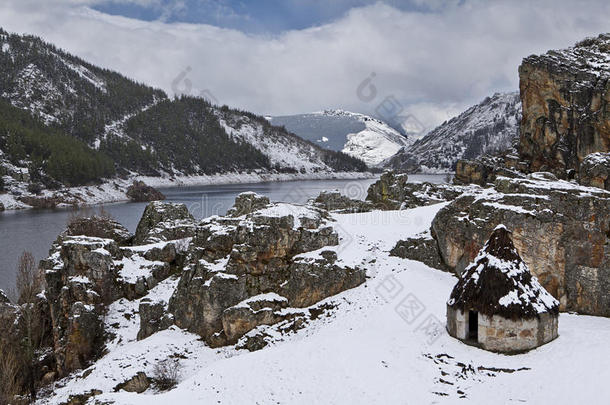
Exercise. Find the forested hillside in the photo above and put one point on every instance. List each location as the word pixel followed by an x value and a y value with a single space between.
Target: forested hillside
pixel 65 122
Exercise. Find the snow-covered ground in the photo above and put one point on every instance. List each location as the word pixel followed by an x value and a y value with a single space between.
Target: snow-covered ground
pixel 383 343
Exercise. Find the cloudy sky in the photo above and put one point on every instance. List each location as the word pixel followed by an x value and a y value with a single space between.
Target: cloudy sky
pixel 289 56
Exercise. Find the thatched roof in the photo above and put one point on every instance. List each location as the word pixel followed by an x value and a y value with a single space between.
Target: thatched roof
pixel 499 282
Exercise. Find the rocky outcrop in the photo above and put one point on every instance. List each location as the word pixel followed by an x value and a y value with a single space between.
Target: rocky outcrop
pixel 246 203
pixel 393 192
pixel 80 280
pixel 142 192
pixel 254 253
pixel 486 168
pixel 560 229
pixel 595 171
pixel 100 227
pixel 422 249
pixel 337 202
pixel 566 106
pixel 164 221
pixel 84 274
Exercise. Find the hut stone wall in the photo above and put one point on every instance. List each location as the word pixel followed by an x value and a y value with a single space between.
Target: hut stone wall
pixel 500 334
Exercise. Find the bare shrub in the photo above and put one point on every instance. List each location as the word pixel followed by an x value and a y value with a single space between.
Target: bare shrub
pixel 166 373
pixel 29 278
pixel 10 368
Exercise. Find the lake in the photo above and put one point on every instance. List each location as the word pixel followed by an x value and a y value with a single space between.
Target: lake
pixel 35 230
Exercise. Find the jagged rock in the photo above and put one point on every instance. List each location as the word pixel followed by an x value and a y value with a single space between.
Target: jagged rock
pixel 201 297
pixel 250 313
pixel 246 203
pixel 83 338
pixel 233 259
pixel 335 201
pixel 312 280
pixel 423 249
pixel 560 229
pixel 595 171
pixel 100 227
pixel 486 168
pixel 164 221
pixel 81 279
pixel 392 192
pixel 138 383
pixel 141 192
pixel 565 106
pixel 153 317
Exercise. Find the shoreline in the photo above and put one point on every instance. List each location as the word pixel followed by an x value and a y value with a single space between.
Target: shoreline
pixel 114 191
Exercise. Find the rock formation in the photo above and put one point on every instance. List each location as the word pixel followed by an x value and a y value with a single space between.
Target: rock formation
pixel 561 230
pixel 566 106
pixel 393 192
pixel 595 171
pixel 142 192
pixel 243 269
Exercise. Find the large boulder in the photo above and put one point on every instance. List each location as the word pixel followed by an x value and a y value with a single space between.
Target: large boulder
pixel 100 227
pixel 566 106
pixel 560 229
pixel 595 171
pixel 246 203
pixel 337 202
pixel 393 192
pixel 141 192
pixel 164 221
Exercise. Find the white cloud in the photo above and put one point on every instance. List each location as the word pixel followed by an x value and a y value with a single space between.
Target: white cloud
pixel 434 63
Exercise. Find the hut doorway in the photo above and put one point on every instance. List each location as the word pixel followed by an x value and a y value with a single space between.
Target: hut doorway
pixel 473 326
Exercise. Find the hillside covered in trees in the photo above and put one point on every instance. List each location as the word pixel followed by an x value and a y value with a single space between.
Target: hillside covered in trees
pixel 65 122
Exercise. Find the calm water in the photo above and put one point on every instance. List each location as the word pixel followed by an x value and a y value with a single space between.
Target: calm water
pixel 35 230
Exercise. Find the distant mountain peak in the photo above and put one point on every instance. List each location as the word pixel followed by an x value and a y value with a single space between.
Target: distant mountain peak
pixel 355 134
pixel 487 127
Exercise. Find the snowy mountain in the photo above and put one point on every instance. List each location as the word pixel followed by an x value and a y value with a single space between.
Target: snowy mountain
pixel 487 127
pixel 105 125
pixel 355 134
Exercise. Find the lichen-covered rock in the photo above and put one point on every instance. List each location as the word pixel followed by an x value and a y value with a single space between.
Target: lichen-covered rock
pixel 312 279
pixel 259 310
pixel 246 203
pixel 100 227
pixel 422 249
pixel 83 276
pixel 566 109
pixel 595 171
pixel 484 169
pixel 560 229
pixel 164 221
pixel 141 192
pixel 153 317
pixel 138 383
pixel 233 259
pixel 393 192
pixel 335 201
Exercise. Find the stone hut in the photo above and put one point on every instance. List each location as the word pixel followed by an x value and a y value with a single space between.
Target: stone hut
pixel 498 305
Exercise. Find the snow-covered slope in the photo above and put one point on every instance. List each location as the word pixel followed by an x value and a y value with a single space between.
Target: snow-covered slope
pixel 357 135
pixel 383 343
pixel 490 126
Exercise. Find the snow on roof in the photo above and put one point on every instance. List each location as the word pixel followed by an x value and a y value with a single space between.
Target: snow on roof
pixel 498 282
